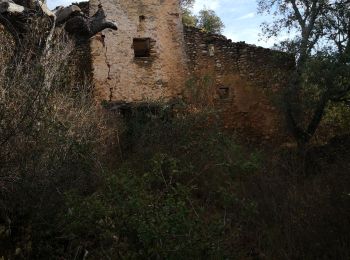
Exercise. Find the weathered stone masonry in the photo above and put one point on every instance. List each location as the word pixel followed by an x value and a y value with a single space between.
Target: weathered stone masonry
pixel 244 80
pixel 119 75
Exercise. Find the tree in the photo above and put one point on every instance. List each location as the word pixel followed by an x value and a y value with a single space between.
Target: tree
pixel 209 21
pixel 321 45
pixel 206 20
pixel 189 19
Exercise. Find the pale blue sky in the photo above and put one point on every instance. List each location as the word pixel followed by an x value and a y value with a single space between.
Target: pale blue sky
pixel 242 23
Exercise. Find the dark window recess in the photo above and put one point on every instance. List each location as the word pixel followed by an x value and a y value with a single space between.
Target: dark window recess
pixel 142 47
pixel 224 92
pixel 142 18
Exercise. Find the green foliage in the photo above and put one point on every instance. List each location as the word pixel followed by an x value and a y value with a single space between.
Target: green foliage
pixel 146 216
pixel 336 120
pixel 189 19
pixel 188 191
pixel 174 197
pixel 207 20
pixel 210 22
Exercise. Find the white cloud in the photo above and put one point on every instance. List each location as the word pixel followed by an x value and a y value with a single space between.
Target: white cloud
pixel 247 16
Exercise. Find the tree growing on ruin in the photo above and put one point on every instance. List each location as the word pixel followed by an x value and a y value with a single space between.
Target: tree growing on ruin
pixel 319 37
pixel 209 21
pixel 206 20
pixel 188 18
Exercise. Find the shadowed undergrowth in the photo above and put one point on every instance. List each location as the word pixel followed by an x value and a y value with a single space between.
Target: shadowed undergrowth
pixel 80 183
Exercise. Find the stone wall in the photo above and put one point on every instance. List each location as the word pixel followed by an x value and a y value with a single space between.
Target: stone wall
pixel 241 81
pixel 117 74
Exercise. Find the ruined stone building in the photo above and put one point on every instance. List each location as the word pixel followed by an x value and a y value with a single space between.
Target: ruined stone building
pixel 153 57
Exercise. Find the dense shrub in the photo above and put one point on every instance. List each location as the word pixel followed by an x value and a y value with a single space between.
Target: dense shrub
pixel 173 198
pixel 184 191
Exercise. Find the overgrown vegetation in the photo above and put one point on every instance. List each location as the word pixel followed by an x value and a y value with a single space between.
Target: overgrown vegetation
pixel 48 134
pixel 180 188
pixel 78 182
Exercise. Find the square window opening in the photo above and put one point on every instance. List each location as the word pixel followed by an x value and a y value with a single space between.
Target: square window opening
pixel 142 47
pixel 224 92
pixel 142 18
